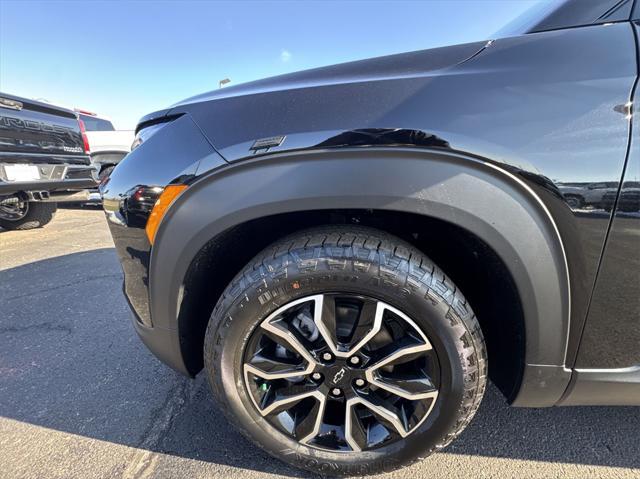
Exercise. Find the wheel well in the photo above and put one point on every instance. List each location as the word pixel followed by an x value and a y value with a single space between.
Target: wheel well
pixel 473 266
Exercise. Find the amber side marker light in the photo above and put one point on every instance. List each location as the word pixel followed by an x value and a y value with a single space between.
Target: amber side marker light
pixel 167 197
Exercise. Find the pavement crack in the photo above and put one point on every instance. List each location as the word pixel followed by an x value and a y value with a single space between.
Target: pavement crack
pixel 144 461
pixel 66 285
pixel 48 327
pixel 164 415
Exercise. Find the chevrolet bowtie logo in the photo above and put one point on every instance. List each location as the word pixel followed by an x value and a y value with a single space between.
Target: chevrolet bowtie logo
pixel 339 375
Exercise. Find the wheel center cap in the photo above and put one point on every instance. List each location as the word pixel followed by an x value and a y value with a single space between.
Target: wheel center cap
pixel 340 374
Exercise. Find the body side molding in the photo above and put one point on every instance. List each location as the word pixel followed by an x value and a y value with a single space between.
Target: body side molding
pixel 620 387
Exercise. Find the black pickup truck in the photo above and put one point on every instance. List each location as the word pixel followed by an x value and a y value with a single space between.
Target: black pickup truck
pixel 43 160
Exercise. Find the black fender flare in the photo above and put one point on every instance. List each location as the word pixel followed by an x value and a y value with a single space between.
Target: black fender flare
pixel 485 199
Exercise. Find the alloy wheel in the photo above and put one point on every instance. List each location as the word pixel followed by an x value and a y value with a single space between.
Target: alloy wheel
pixel 341 372
pixel 14 209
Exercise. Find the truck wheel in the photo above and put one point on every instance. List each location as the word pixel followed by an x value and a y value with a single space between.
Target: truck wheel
pixel 345 351
pixel 26 215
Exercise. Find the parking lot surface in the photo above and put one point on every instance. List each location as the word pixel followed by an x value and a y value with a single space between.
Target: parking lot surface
pixel 80 396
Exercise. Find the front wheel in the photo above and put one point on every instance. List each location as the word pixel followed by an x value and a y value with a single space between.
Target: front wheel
pixel 26 215
pixel 344 350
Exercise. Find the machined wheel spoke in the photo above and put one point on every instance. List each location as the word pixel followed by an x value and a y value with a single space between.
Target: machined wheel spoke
pixel 400 353
pixel 417 386
pixel 354 432
pixel 279 328
pixel 413 386
pixel 385 410
pixel 326 321
pixel 382 353
pixel 268 367
pixel 367 325
pixel 309 426
pixel 275 402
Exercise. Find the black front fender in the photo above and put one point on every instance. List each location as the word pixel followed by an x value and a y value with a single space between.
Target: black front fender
pixel 486 200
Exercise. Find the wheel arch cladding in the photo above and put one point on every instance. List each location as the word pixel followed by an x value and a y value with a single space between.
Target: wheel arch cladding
pixel 473 194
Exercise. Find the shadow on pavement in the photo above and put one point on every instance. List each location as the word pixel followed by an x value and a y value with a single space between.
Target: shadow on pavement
pixel 70 361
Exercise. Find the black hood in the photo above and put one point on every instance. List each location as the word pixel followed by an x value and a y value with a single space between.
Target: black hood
pixel 403 65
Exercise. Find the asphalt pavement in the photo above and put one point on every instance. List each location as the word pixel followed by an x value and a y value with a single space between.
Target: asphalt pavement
pixel 81 397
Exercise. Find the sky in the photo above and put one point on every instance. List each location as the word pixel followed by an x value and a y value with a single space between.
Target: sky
pixel 124 59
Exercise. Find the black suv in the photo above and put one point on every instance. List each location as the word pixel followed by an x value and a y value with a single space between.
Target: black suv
pixel 350 252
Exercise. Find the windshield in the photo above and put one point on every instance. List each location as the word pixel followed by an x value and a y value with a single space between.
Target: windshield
pixel 92 123
pixel 529 19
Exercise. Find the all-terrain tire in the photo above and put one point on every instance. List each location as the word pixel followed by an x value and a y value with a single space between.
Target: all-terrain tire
pixel 363 261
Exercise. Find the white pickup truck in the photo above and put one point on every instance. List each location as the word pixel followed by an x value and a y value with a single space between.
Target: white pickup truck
pixel 107 145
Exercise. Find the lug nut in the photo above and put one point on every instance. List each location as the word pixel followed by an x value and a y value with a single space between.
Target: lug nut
pixel 336 391
pixel 355 360
pixel 360 382
pixel 316 376
pixel 327 357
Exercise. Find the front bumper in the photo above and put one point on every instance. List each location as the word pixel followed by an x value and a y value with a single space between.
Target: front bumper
pixel 163 343
pixel 171 155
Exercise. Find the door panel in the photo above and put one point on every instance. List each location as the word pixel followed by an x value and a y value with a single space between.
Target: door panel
pixel 611 337
pixel 612 333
